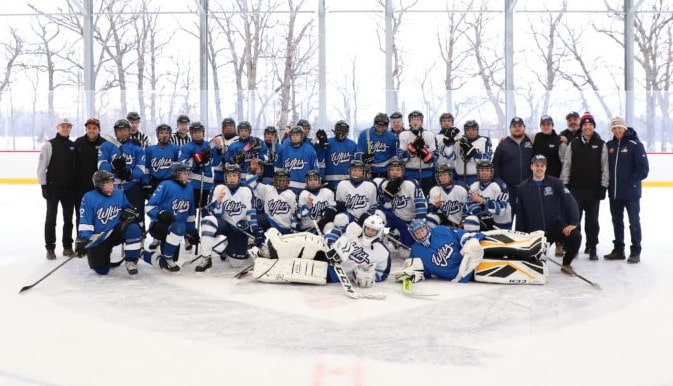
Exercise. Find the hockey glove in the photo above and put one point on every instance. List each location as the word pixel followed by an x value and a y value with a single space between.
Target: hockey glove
pixel 203 157
pixel 166 217
pixel 333 257
pixel 419 142
pixel 466 148
pixel 80 246
pixel 119 164
pixel 450 136
pixel 413 269
pixel 243 225
pixel 364 275
pixel 321 135
pixel 147 191
pixel 392 188
pixel 193 238
pixel 45 192
pixel 367 158
pixel 486 222
pixel 124 174
pixel 128 215
pixel 256 146
pixel 238 158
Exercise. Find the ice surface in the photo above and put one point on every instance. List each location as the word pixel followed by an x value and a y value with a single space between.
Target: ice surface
pixel 76 328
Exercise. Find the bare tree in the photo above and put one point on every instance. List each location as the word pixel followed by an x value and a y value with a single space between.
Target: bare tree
pixel 448 38
pixel 349 93
pixel 11 50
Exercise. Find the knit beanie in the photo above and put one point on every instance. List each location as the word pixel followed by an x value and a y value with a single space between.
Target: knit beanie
pixel 587 117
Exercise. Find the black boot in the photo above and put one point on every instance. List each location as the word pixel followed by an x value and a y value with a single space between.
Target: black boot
pixel 592 253
pixel 616 254
pixel 634 258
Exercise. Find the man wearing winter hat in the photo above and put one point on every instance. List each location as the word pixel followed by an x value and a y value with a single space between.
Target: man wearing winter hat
pixel 573 127
pixel 585 173
pixel 628 167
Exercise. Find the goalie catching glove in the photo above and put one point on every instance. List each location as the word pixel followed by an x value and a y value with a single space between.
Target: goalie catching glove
pixel 413 269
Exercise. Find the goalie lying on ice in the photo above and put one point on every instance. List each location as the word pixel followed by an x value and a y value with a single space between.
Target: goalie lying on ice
pixel 498 256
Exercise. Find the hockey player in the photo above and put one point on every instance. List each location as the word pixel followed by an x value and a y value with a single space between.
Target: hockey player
pixel 135 134
pixel 446 253
pixel 446 139
pixel 470 148
pixel 364 257
pixel 356 197
pixel 396 123
pixel 106 220
pixel 279 203
pixel 198 155
pixel 315 203
pixel 181 136
pixel 335 155
pixel 489 200
pixel 126 159
pixel 401 200
pixel 418 148
pixel 158 160
pixel 232 214
pixel 297 157
pixel 446 202
pixel 271 142
pixel 172 212
pixel 377 145
pixel 246 150
pixel 221 143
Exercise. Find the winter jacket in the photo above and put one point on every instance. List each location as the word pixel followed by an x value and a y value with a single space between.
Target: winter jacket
pixel 56 167
pixel 628 166
pixel 550 146
pixel 544 205
pixel 511 160
pixel 585 166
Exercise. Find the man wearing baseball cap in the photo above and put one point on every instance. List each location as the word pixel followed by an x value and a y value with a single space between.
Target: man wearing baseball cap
pixel 86 160
pixel 545 204
pixel 573 130
pixel 56 175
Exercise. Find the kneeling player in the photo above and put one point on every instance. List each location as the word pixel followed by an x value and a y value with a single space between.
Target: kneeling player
pixel 106 220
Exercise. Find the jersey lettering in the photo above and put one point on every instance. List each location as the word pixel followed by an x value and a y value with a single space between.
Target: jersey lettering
pixel 106 214
pixel 160 163
pixel 356 201
pixel 340 157
pixel 278 207
pixel 442 256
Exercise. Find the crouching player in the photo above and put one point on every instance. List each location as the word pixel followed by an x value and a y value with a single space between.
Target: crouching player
pixel 172 211
pixel 106 219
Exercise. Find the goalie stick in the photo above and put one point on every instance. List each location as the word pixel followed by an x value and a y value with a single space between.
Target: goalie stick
pixel 592 283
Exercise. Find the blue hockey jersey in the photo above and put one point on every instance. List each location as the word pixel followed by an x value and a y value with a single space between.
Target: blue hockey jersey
pixel 197 172
pixel 175 199
pixel 442 258
pixel 134 156
pixel 158 160
pixel 384 146
pixel 335 160
pixel 297 161
pixel 98 215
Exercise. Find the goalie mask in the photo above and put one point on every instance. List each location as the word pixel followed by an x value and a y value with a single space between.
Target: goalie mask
pixel 356 171
pixel 313 181
pixel 420 231
pixel 444 175
pixel 100 179
pixel 485 172
pixel 296 136
pixel 395 168
pixel 341 130
pixel 232 175
pixel 180 173
pixel 372 230
pixel 281 180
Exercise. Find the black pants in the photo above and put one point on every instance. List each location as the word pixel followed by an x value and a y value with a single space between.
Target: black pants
pixel 571 243
pixel 589 204
pixel 66 198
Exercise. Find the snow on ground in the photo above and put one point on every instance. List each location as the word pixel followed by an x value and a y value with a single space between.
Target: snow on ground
pixel 76 328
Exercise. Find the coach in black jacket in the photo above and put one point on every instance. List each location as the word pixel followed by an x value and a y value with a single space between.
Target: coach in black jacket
pixel 86 160
pixel 545 204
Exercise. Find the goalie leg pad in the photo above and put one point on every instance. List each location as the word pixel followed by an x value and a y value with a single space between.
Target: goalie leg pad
pixel 505 271
pixel 290 271
pixel 303 245
pixel 514 245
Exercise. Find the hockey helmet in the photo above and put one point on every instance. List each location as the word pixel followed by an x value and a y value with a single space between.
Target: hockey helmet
pixel 122 124
pixel 133 116
pixel 415 114
pixel 100 178
pixel 232 175
pixel 228 122
pixel 444 170
pixel 296 130
pixel 271 130
pixel 372 230
pixel 381 119
pixel 446 116
pixel 281 179
pixel 395 163
pixel 163 127
pixel 341 130
pixel 303 123
pixel 313 181
pixel 356 165
pixel 243 125
pixel 485 171
pixel 183 119
pixel 471 124
pixel 420 231
pixel 396 115
pixel 196 126
pixel 176 169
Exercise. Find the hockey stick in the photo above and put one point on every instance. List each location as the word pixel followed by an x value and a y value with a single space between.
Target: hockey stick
pixel 593 284
pixel 25 288
pixel 198 217
pixel 397 242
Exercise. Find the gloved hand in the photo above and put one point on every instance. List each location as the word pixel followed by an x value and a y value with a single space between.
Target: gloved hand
pixel 393 187
pixel 466 148
pixel 166 217
pixel 413 269
pixel 321 136
pixel 202 157
pixel 80 246
pixel 486 222
pixel 193 238
pixel 419 142
pixel 45 192
pixel 364 275
pixel 238 158
pixel 333 257
pixel 243 225
pixel 367 158
pixel 256 146
pixel 124 174
pixel 129 214
pixel 602 192
pixel 450 136
pixel 119 163
pixel 147 191
pixel 259 238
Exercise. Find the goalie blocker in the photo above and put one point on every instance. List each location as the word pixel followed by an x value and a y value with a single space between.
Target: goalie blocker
pixel 512 258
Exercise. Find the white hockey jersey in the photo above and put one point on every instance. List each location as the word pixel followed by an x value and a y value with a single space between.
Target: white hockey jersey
pixel 321 200
pixel 377 254
pixel 408 203
pixel 236 206
pixel 497 201
pixel 448 202
pixel 357 199
pixel 280 208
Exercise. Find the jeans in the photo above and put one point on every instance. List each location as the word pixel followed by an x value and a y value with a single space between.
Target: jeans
pixel 633 210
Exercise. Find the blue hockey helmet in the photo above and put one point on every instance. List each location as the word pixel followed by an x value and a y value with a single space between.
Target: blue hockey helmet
pixel 420 231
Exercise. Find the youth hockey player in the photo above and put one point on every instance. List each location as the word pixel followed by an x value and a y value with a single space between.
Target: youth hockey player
pixel 401 200
pixel 232 214
pixel 221 143
pixel 297 157
pixel 271 142
pixel 335 156
pixel 489 200
pixel 246 150
pixel 446 202
pixel 279 203
pixel 364 257
pixel 418 148
pixel 106 220
pixel 377 145
pixel 198 155
pixel 356 197
pixel 172 212
pixel 158 160
pixel 446 139
pixel 315 203
pixel 470 148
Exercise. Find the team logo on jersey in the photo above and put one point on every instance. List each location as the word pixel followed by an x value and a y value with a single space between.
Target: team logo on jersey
pixel 105 215
pixel 232 208
pixel 340 157
pixel 379 147
pixel 180 206
pixel 160 163
pixel 358 254
pixel 451 207
pixel 399 202
pixel 278 207
pixel 548 191
pixel 295 164
pixel 317 209
pixel 356 201
pixel 442 256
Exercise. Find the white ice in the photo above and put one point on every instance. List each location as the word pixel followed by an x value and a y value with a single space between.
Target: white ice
pixel 76 328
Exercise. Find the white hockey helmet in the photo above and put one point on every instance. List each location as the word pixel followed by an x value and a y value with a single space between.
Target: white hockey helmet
pixel 372 229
